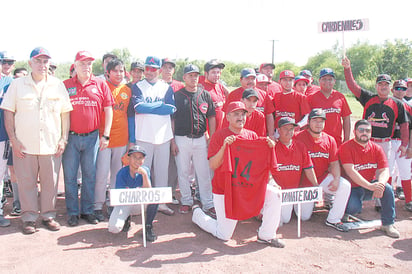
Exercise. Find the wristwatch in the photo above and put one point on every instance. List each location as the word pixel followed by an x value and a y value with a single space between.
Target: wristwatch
pixel 106 137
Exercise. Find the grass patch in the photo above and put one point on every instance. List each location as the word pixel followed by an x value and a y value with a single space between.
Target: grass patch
pixel 355 106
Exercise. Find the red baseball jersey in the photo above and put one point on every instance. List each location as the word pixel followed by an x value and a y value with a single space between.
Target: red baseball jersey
pixel 292 161
pixel 366 160
pixel 312 89
pixel 217 92
pixel 255 122
pixel 176 85
pixel 247 164
pixel 292 104
pixel 264 103
pixel 273 88
pixel 88 102
pixel 216 142
pixel 322 152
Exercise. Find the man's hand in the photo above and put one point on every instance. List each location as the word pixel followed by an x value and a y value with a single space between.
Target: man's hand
pixel 229 140
pixel 18 148
pixel 270 142
pixel 402 151
pixel 141 171
pixel 377 188
pixel 333 185
pixel 103 143
pixel 346 62
pixel 173 148
pixel 60 147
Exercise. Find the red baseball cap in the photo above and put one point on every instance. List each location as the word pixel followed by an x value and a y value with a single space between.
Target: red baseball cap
pixel 84 56
pixel 261 78
pixel 266 65
pixel 236 105
pixel 287 74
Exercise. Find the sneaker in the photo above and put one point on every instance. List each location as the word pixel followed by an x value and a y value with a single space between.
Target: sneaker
pixel 7 191
pixel 150 235
pixel 163 208
pixel 273 242
pixel 90 218
pixel 127 223
pixel 184 209
pixel 408 206
pixel 391 231
pixel 73 220
pixel 4 222
pixel 346 218
pixel 99 215
pixel 29 227
pixel 211 212
pixel 338 226
pixel 16 211
pixel 399 193
pixel 378 205
pixel 51 224
pixel 175 201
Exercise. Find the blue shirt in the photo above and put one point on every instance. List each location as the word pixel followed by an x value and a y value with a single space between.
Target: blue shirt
pixel 4 85
pixel 124 180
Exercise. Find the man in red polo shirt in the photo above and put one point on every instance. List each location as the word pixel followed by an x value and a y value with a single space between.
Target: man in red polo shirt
pixel 90 96
pixel 264 105
pixel 335 106
pixel 267 69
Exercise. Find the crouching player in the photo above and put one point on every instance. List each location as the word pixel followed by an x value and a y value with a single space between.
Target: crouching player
pixel 132 176
pixel 239 185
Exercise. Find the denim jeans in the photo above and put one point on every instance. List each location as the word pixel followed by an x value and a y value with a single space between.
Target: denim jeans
pixel 80 150
pixel 360 194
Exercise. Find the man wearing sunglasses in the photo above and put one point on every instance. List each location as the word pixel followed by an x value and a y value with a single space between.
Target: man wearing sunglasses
pixel 7 63
pixel 382 111
pixel 153 101
pixel 366 168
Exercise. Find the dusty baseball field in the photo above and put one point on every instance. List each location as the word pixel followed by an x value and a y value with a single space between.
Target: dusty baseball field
pixel 183 247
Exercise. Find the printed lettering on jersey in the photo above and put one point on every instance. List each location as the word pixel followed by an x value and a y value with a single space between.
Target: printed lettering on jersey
pixel 285 114
pixel 318 155
pixel 379 122
pixel 288 167
pixel 72 91
pixel 152 100
pixel 203 107
pixel 120 106
pixel 332 110
pixel 359 167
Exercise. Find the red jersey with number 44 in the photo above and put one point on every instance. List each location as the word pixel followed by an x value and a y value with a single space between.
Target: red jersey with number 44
pixel 247 164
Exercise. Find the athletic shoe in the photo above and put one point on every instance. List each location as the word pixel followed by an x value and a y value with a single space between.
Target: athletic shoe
pixel 391 231
pixel 73 220
pixel 211 212
pixel 4 222
pixel 408 206
pixel 273 242
pixel 175 201
pixel 126 226
pixel 29 227
pixel 150 235
pixel 184 209
pixel 338 226
pixel 51 224
pixel 99 215
pixel 16 211
pixel 163 208
pixel 399 193
pixel 90 218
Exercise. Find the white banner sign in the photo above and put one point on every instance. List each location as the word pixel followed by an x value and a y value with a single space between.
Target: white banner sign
pixel 301 195
pixel 139 196
pixel 344 25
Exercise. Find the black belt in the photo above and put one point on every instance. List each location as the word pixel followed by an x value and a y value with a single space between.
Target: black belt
pixel 194 136
pixel 82 134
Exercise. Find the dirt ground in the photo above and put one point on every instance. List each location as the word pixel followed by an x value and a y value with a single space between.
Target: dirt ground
pixel 183 247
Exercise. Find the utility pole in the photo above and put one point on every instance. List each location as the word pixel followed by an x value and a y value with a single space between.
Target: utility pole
pixel 273 50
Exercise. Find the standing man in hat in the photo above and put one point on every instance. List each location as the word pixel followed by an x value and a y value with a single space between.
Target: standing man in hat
pixel 7 63
pixel 37 117
pixel 335 106
pixel 153 101
pixel 194 109
pixel 90 96
pixel 167 70
pixel 311 87
pixel 267 70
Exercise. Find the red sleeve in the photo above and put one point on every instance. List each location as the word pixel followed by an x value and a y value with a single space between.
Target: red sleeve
pixel 344 154
pixel 333 154
pixel 304 106
pixel 107 95
pixel 352 85
pixel 214 145
pixel 268 104
pixel 307 160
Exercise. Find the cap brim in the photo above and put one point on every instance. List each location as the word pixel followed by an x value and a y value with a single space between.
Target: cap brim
pixel 40 55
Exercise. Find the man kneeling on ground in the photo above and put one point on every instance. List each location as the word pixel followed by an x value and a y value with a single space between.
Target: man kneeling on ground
pixel 132 176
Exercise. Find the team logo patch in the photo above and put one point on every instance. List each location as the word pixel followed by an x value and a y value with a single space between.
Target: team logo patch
pixel 123 95
pixel 72 91
pixel 203 108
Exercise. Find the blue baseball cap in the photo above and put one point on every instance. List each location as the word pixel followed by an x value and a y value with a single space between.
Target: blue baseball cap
pixel 153 61
pixel 246 72
pixel 191 68
pixel 1 54
pixel 39 51
pixel 326 71
pixel 135 149
pixel 306 73
pixel 383 78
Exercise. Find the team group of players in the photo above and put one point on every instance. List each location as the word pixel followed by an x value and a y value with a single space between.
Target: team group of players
pixel 242 147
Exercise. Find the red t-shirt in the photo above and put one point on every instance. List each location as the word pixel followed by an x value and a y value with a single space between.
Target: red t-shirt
pixel 247 164
pixel 255 122
pixel 322 151
pixel 273 88
pixel 293 104
pixel 264 103
pixel 88 102
pixel 292 161
pixel 366 160
pixel 216 142
pixel 336 107
pixel 311 89
pixel 217 91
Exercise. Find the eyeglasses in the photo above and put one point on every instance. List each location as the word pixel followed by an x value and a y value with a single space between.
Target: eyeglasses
pixel 400 89
pixel 151 69
pixel 362 130
pixel 7 62
pixel 40 61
